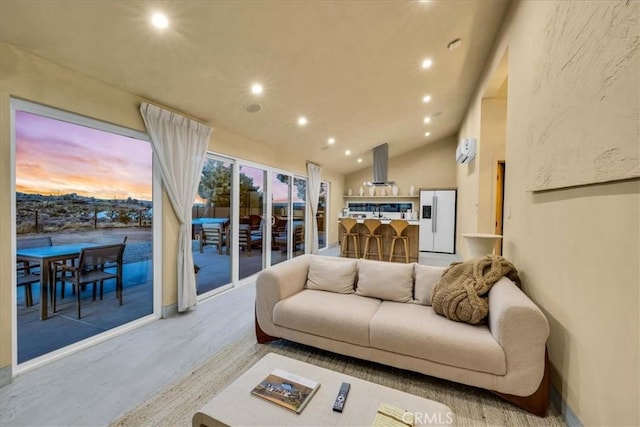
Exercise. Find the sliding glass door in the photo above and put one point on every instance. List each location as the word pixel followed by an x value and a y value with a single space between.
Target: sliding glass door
pixel 298 238
pixel 321 215
pixel 253 213
pixel 79 183
pixel 211 225
pixel 252 227
pixel 280 201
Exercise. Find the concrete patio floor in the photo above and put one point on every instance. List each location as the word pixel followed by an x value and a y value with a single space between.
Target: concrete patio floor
pixel 36 337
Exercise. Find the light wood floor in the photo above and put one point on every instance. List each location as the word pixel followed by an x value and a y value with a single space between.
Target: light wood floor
pixel 97 385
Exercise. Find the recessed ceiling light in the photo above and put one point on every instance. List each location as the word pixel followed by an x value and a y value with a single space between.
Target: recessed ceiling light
pixel 427 134
pixel 253 108
pixel 426 98
pixel 159 20
pixel 347 153
pixel 331 141
pixel 302 121
pixel 427 119
pixel 427 63
pixel 360 160
pixel 256 88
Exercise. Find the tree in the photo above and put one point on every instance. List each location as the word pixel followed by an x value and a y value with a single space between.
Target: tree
pixel 301 185
pixel 215 184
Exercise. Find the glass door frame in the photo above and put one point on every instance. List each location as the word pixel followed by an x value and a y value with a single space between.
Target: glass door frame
pixel 326 222
pixel 268 209
pixel 233 253
pixel 16 104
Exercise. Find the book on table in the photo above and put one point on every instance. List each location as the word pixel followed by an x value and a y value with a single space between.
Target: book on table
pixel 392 416
pixel 288 390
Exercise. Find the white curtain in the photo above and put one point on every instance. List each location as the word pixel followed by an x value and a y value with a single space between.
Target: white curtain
pixel 313 186
pixel 179 146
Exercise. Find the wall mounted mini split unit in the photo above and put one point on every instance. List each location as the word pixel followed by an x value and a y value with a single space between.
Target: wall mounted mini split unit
pixel 466 150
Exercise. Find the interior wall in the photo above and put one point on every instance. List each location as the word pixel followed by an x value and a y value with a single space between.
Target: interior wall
pixel 432 165
pixel 468 182
pixel 576 249
pixel 29 77
pixel 490 148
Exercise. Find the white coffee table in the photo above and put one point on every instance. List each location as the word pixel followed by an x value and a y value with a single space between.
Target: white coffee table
pixel 236 406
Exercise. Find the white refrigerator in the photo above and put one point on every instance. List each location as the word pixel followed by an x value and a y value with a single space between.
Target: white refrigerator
pixel 438 221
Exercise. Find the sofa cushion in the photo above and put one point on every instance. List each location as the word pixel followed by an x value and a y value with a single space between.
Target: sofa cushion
pixel 416 330
pixel 426 277
pixel 342 317
pixel 332 274
pixel 385 280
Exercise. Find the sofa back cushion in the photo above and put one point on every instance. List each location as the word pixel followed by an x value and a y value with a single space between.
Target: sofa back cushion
pixel 332 274
pixel 385 280
pixel 426 277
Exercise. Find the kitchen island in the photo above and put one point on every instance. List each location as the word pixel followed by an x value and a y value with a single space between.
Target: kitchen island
pixel 385 230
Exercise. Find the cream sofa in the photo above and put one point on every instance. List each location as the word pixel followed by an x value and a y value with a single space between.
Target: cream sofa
pixel 381 311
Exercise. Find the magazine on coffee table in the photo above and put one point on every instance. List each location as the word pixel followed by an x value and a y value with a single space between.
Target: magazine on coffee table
pixel 288 390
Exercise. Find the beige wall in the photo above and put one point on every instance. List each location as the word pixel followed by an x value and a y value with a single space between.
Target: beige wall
pixel 430 166
pixel 577 249
pixel 490 149
pixel 29 77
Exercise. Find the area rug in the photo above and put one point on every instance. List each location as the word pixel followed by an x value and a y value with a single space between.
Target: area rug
pixel 176 404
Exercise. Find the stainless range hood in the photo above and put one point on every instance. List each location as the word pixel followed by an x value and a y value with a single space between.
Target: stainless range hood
pixel 380 164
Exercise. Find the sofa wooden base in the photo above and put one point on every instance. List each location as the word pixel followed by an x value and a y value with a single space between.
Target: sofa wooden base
pixel 538 402
pixel 262 336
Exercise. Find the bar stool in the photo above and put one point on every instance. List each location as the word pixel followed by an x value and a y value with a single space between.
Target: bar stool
pixel 372 225
pixel 398 226
pixel 349 224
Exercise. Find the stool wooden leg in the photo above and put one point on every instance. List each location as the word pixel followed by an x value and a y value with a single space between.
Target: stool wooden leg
pixel 406 250
pixel 343 250
pixel 356 243
pixel 366 247
pixel 393 247
pixel 379 241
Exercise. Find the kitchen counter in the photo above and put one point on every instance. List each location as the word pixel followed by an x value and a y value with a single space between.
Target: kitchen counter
pixel 412 231
pixel 387 221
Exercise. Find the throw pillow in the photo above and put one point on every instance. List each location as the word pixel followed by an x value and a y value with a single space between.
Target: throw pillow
pixel 385 280
pixel 426 277
pixel 331 274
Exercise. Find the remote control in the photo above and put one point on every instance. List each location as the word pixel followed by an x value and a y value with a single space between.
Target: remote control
pixel 338 405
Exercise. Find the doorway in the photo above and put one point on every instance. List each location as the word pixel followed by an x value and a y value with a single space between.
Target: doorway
pixel 500 175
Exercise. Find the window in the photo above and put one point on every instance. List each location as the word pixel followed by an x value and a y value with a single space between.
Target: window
pixel 79 183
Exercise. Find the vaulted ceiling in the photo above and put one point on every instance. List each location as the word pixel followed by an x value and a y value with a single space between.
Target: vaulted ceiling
pixel 352 68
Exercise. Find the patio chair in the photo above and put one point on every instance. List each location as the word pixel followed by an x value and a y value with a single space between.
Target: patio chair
pixel 27 272
pixel 213 234
pixel 249 238
pixel 298 238
pixel 92 268
pixel 255 222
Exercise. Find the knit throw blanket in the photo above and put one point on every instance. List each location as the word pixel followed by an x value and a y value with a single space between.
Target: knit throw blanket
pixel 461 292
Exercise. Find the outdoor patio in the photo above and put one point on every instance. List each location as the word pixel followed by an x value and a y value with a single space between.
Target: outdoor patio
pixel 37 337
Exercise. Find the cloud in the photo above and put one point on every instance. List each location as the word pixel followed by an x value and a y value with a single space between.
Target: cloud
pixel 54 156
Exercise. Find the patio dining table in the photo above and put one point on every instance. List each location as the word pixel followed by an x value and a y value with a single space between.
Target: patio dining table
pixel 46 255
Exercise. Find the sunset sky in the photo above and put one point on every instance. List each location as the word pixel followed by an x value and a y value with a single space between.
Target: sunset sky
pixel 55 157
